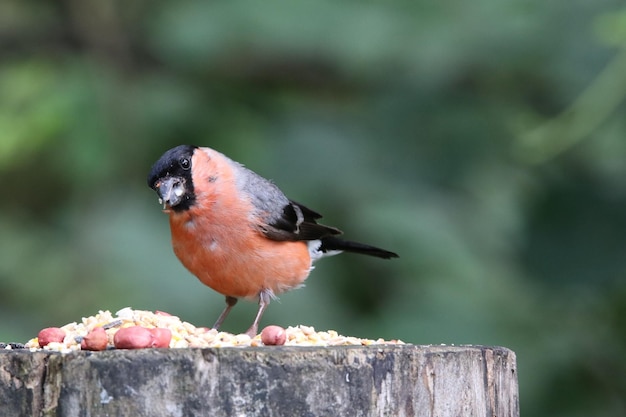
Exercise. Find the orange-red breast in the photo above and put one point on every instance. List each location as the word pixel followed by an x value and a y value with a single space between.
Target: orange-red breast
pixel 237 232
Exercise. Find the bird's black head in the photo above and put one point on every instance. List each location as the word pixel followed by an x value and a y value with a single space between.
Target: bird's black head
pixel 170 177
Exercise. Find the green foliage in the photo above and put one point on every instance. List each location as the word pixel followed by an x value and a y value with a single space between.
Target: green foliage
pixel 484 141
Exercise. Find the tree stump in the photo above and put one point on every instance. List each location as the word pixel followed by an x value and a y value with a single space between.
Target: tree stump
pixel 399 380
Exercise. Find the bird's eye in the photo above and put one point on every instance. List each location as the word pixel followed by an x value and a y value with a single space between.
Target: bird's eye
pixel 185 163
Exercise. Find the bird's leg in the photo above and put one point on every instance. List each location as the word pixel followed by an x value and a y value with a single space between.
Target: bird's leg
pixel 264 300
pixel 230 302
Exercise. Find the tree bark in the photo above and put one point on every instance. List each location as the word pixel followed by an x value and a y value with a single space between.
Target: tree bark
pixel 401 380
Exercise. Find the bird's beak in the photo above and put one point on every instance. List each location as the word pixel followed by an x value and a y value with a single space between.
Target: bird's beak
pixel 171 191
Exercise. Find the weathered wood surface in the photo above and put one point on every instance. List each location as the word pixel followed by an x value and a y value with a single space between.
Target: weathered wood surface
pixel 271 381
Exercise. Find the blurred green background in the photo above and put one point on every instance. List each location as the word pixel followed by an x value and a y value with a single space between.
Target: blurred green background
pixel 484 141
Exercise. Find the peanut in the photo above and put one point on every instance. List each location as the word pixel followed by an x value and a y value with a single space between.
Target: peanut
pixel 50 334
pixel 161 337
pixel 273 336
pixel 95 340
pixel 133 337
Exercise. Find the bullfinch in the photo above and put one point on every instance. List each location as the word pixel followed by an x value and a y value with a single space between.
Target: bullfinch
pixel 237 232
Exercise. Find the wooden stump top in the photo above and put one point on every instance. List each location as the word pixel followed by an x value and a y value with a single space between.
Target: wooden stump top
pixel 379 380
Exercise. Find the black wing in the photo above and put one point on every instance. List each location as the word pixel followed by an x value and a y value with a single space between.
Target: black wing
pixel 300 223
pixel 297 222
pixel 280 218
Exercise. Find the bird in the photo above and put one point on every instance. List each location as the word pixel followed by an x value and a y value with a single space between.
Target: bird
pixel 237 232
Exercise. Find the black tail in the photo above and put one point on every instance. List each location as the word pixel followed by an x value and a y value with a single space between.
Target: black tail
pixel 332 243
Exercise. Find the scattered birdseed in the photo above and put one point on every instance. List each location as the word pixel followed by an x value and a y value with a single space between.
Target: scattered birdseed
pixel 11 346
pixel 186 335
